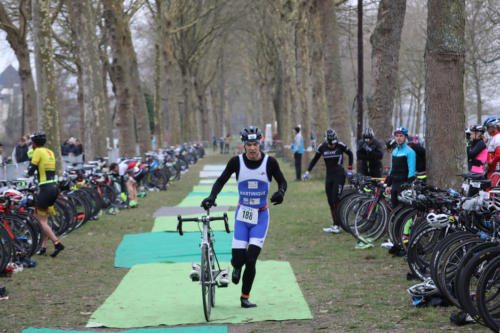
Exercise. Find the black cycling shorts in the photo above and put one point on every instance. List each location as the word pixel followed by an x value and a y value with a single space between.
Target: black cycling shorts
pixel 139 175
pixel 46 196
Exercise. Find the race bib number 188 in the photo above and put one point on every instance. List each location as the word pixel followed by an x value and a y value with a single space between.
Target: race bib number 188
pixel 248 215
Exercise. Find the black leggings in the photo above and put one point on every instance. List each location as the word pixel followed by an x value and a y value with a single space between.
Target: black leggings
pixel 395 190
pixel 334 185
pixel 247 257
pixel 298 165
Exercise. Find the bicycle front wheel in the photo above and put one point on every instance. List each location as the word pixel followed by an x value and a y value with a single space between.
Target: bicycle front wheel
pixel 206 281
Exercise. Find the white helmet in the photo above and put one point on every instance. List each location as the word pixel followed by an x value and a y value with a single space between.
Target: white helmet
pixel 13 194
pixel 438 221
pixel 424 289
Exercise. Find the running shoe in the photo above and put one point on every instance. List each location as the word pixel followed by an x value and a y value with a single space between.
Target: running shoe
pixel 224 278
pixel 195 272
pixel 333 229
pixel 362 246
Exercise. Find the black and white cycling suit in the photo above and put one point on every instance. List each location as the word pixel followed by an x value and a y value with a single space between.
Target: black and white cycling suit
pixel 335 174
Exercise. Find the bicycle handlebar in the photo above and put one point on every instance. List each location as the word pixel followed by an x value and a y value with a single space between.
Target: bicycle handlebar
pixel 203 219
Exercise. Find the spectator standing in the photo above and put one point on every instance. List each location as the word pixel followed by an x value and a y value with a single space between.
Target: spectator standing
pixel 369 154
pixel 214 142
pixel 298 151
pixel 227 141
pixel 221 144
pixel 21 151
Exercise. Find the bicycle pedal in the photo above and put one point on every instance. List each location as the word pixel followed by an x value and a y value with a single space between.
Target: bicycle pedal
pixel 223 285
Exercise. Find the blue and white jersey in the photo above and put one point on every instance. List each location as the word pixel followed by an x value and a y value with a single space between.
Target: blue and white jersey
pixel 253 184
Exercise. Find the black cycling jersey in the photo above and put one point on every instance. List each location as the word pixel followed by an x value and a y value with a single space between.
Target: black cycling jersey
pixel 370 158
pixel 333 157
pixel 233 166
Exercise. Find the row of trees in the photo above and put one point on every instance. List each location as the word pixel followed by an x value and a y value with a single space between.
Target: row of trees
pixel 209 66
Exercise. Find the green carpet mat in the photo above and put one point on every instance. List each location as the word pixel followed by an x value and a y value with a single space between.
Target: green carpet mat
pixel 163 294
pixel 195 201
pixel 204 194
pixel 211 181
pixel 174 211
pixel 205 188
pixel 193 329
pixel 216 167
pixel 168 247
pixel 169 223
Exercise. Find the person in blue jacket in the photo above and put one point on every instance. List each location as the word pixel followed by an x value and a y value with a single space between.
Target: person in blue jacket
pixel 298 151
pixel 403 165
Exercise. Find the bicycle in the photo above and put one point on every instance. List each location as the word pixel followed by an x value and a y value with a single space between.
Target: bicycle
pixel 208 273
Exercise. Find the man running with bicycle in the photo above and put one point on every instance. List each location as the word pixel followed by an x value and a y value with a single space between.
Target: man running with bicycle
pixel 254 171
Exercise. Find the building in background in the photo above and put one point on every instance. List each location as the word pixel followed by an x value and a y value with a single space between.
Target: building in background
pixel 11 104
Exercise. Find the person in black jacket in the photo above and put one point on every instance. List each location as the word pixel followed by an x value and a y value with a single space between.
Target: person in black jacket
pixel 476 149
pixel 369 154
pixel 21 150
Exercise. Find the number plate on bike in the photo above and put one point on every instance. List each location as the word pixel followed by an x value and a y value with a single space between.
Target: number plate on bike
pixel 248 215
pixel 475 184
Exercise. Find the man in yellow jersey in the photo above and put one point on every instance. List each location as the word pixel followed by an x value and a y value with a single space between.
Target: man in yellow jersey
pixel 43 161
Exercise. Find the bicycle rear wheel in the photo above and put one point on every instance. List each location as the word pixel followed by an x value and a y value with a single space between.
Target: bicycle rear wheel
pixel 206 281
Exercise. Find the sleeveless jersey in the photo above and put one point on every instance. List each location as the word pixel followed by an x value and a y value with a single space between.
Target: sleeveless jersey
pixel 253 184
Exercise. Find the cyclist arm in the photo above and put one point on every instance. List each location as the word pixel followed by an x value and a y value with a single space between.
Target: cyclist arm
pixel 232 166
pixel 273 169
pixel 377 152
pixel 494 158
pixel 474 151
pixel 35 159
pixel 411 159
pixel 350 155
pixel 315 159
pixel 361 153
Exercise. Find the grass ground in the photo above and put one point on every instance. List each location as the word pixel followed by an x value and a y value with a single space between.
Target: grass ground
pixel 346 289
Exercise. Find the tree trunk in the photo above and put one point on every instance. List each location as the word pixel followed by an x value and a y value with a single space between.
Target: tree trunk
pixel 318 116
pixel 138 99
pixel 304 68
pixel 46 80
pixel 91 85
pixel 334 89
pixel 386 41
pixel 444 95
pixel 173 117
pixel 28 90
pixel 158 100
pixel 120 74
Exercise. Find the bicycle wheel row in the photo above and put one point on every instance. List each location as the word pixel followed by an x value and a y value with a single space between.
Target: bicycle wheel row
pixel 450 241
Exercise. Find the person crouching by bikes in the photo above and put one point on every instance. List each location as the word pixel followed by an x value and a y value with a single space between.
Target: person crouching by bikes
pixel 254 171
pixel 333 152
pixel 403 165
pixel 369 154
pixel 43 161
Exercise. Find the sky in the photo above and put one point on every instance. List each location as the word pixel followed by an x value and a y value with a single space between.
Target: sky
pixel 7 56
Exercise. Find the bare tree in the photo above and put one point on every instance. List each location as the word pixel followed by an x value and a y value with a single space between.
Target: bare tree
pixel 444 94
pixel 337 113
pixel 117 27
pixel 84 25
pixel 46 80
pixel 385 41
